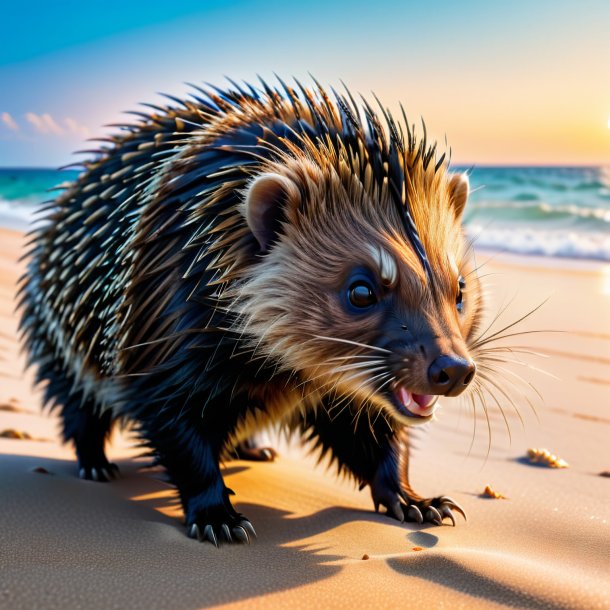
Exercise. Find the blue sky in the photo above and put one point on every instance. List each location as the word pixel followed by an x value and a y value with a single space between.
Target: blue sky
pixel 511 82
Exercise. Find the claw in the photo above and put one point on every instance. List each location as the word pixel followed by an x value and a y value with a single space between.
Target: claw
pixel 94 475
pixel 240 534
pixel 245 524
pixel 434 516
pixel 268 454
pixel 404 496
pixel 112 470
pixel 397 511
pixel 227 532
pixel 453 504
pixel 446 512
pixel 414 514
pixel 376 505
pixel 194 532
pixel 208 534
pixel 82 473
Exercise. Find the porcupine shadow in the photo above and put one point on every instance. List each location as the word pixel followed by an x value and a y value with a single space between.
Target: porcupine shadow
pixel 110 531
pixel 457 573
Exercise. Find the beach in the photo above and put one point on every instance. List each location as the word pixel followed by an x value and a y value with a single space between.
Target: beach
pixel 68 543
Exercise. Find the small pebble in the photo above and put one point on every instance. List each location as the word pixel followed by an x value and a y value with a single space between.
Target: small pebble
pixel 488 492
pixel 9 408
pixel 41 470
pixel 365 556
pixel 605 473
pixel 543 457
pixel 15 434
pixel 418 548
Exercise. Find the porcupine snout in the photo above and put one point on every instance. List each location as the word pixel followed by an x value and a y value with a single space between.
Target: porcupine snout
pixel 450 375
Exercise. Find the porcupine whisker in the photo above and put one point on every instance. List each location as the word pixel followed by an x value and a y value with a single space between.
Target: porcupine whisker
pixel 359 356
pixel 523 395
pixel 489 362
pixel 337 371
pixel 364 345
pixel 376 390
pixel 484 378
pixel 494 338
pixel 353 393
pixel 488 380
pixel 368 415
pixel 356 365
pixel 523 381
pixel 363 406
pixel 513 349
pixel 483 339
pixel 520 363
pixel 496 317
pixel 471 398
pixel 365 383
pixel 324 373
pixel 333 383
pixel 477 390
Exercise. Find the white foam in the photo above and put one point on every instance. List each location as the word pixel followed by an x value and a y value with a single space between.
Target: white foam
pixel 17 214
pixel 559 243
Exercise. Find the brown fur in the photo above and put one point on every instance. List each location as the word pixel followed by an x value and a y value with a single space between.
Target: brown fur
pixel 322 241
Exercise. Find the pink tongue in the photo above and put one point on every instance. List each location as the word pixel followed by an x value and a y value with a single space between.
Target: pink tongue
pixel 417 404
pixel 423 400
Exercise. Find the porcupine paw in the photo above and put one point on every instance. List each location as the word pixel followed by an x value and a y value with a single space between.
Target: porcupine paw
pixel 217 525
pixel 248 451
pixel 419 510
pixel 431 510
pixel 100 470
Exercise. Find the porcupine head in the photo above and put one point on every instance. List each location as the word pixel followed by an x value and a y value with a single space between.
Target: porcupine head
pixel 340 298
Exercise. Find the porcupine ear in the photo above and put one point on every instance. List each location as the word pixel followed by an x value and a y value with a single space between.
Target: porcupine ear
pixel 267 198
pixel 459 188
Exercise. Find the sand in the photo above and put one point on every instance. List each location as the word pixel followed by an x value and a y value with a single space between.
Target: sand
pixel 67 543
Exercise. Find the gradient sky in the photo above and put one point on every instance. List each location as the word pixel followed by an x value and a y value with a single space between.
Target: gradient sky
pixel 507 82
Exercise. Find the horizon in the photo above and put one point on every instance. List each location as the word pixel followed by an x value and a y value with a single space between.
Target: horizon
pixel 505 90
pixel 460 166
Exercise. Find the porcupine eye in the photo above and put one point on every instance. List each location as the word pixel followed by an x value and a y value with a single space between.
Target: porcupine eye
pixel 361 295
pixel 459 298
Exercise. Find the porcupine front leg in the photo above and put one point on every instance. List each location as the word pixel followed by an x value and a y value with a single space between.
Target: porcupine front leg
pixel 373 452
pixel 191 457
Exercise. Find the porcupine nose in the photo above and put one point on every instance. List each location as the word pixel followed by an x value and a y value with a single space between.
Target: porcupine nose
pixel 450 375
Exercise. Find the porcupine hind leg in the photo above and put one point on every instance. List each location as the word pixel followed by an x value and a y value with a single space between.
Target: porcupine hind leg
pixel 251 450
pixel 87 426
pixel 189 448
pixel 370 449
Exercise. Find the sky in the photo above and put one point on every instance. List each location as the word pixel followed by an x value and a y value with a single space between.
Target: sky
pixel 515 83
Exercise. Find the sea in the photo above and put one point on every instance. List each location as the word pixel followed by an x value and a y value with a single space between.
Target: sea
pixel 547 211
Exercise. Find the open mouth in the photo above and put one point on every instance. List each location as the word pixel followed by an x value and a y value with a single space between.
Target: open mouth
pixel 409 404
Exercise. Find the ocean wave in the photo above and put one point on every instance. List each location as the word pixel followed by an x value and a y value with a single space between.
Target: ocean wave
pixel 567 244
pixel 542 211
pixel 526 197
pixel 18 213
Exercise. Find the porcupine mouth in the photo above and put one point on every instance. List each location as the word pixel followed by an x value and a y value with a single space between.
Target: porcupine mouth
pixel 419 408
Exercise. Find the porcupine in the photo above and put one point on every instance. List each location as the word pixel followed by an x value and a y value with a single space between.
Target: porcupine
pixel 254 255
